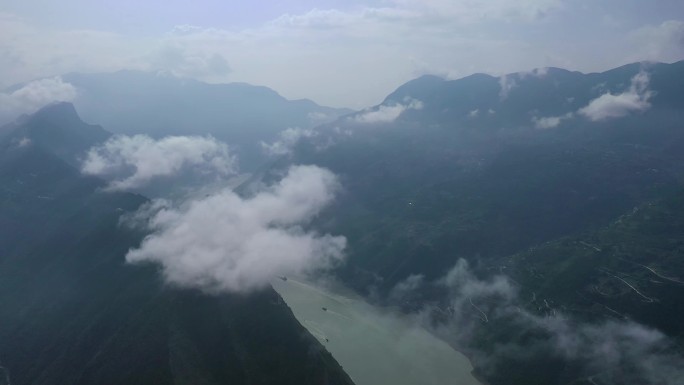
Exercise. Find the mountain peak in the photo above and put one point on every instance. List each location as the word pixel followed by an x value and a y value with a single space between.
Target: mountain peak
pixel 58 129
pixel 415 88
pixel 62 113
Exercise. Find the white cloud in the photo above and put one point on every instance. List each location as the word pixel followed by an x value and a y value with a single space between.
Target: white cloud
pixel 480 11
pixel 546 122
pixel 225 243
pixel 460 279
pixel 663 42
pixel 615 352
pixel 135 160
pixel 386 113
pixel 507 84
pixel 406 288
pixel 540 72
pixel 609 351
pixel 287 140
pixel 182 62
pixel 29 50
pixel 33 96
pixel 608 105
pixel 550 121
pixel 23 142
pixel 317 118
pixel 535 72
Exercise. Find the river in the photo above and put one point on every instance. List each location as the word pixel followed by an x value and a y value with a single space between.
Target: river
pixel 373 346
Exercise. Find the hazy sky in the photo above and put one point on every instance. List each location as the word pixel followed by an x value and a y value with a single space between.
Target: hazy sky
pixel 340 53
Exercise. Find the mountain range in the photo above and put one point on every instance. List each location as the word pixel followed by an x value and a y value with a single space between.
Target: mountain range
pixel 553 198
pixel 157 104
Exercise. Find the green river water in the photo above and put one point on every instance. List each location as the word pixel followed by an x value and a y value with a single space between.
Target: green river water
pixel 374 347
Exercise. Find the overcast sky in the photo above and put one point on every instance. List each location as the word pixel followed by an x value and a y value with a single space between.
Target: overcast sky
pixel 340 53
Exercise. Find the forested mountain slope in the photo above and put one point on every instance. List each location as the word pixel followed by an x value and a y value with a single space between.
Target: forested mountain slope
pixel 72 311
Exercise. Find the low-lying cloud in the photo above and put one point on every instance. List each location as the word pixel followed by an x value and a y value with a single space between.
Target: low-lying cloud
pixel 550 121
pixel 387 113
pixel 506 84
pixel 607 352
pixel 509 82
pixel 33 96
pixel 132 161
pixel 609 105
pixel 226 243
pixel 663 42
pixel 287 140
pixel 615 352
pixel 181 62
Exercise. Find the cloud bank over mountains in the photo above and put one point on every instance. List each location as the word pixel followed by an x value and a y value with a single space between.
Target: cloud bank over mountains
pixel 181 62
pixel 386 113
pixel 34 95
pixel 608 106
pixel 664 41
pixel 608 352
pixel 287 140
pixel 130 162
pixel 227 243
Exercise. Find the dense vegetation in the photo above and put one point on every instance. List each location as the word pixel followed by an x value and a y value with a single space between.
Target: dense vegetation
pixel 586 215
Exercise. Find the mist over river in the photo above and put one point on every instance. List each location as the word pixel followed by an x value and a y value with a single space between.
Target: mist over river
pixel 374 347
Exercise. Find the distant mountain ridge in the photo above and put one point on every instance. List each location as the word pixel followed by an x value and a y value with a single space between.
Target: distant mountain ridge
pixel 513 100
pixel 242 115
